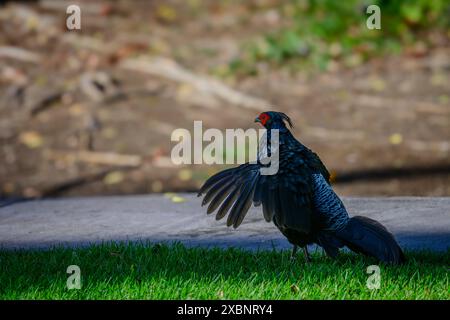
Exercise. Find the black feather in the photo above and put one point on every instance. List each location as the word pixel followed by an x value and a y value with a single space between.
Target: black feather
pixel 226 205
pixel 277 208
pixel 267 203
pixel 220 196
pixel 258 194
pixel 216 188
pixel 214 179
pixel 242 203
pixel 369 237
pixel 287 119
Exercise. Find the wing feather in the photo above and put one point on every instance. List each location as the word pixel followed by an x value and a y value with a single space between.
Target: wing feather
pixel 243 203
pixel 286 197
pixel 217 188
pixel 220 196
pixel 226 205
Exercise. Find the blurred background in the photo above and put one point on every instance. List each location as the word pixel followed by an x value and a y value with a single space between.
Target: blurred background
pixel 91 111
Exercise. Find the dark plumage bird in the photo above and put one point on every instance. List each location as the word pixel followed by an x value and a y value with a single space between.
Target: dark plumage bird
pixel 298 199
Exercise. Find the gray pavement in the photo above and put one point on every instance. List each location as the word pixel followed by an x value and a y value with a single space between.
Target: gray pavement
pixel 417 223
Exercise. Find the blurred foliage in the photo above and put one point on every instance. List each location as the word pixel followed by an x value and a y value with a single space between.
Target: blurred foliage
pixel 321 31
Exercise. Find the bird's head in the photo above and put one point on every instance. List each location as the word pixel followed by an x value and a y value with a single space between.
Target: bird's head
pixel 274 120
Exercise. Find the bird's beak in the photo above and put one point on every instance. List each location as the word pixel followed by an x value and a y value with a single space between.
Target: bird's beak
pixel 257 120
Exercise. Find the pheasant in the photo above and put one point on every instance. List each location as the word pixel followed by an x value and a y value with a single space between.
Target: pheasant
pixel 298 199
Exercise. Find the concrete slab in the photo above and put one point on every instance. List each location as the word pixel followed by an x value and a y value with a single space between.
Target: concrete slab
pixel 418 223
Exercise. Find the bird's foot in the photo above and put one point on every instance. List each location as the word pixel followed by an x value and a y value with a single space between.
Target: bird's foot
pixel 294 254
pixel 307 256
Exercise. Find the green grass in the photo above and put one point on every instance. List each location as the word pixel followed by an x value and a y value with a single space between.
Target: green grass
pixel 320 32
pixel 145 271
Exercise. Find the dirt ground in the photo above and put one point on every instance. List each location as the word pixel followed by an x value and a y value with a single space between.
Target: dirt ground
pixel 77 117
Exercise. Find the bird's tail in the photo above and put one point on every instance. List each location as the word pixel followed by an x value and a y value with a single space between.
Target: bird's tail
pixel 371 238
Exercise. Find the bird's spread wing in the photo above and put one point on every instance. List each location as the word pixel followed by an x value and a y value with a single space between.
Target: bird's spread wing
pixel 286 197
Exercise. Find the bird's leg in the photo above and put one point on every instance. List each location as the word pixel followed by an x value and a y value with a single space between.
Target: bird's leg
pixel 294 252
pixel 307 257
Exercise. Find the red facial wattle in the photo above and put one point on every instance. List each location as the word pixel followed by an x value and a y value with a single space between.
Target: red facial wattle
pixel 264 118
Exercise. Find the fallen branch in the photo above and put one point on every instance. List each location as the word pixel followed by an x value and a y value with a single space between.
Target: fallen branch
pixel 387 173
pixel 100 87
pixel 75 182
pixel 418 145
pixel 102 158
pixel 87 8
pixel 45 103
pixel 327 134
pixel 374 101
pixel 169 69
pixel 19 54
pixel 89 43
